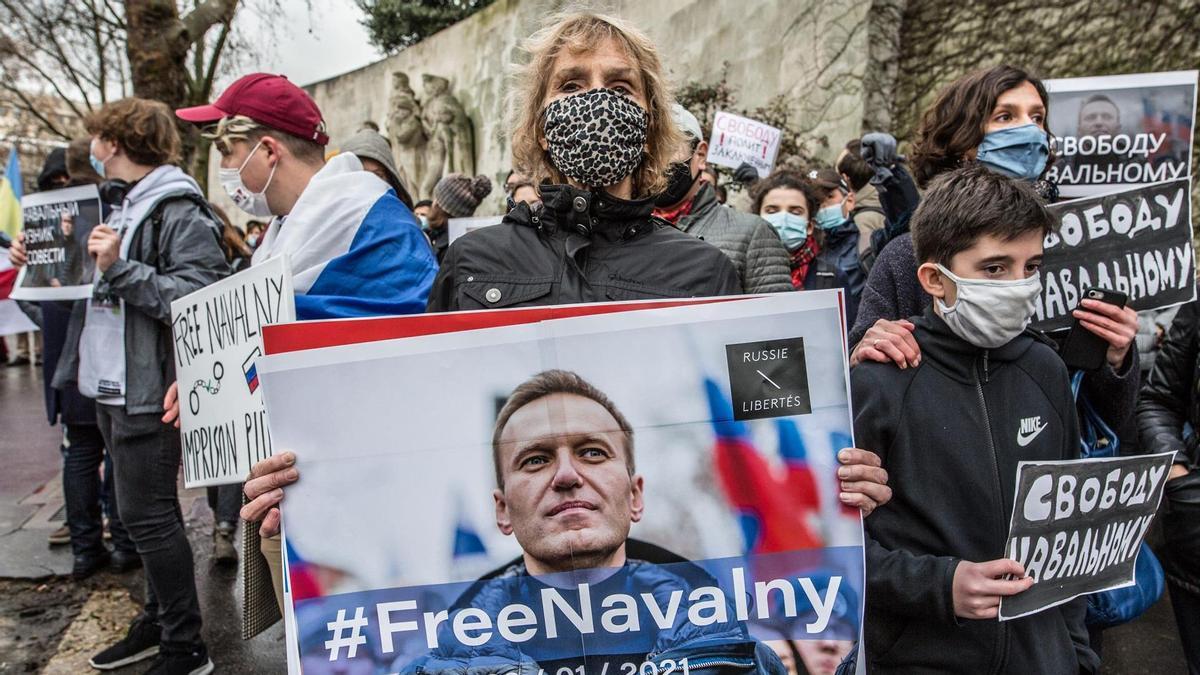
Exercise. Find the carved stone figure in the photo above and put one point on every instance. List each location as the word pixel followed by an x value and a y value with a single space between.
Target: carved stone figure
pixel 450 139
pixel 408 133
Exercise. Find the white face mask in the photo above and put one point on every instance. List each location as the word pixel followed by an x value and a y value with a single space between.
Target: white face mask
pixel 990 313
pixel 254 203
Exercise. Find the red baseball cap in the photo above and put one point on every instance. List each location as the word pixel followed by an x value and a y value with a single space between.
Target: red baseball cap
pixel 270 100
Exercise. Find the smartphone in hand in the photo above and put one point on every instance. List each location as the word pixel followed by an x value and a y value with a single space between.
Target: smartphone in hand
pixel 1083 349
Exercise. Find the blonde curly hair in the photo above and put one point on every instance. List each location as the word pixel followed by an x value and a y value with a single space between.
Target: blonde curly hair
pixel 580 32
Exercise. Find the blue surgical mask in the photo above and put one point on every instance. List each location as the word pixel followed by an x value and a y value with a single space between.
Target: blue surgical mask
pixel 792 229
pixel 97 165
pixel 1016 152
pixel 829 217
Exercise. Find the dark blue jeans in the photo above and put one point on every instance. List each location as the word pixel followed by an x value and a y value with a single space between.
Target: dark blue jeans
pixel 146 456
pixel 87 499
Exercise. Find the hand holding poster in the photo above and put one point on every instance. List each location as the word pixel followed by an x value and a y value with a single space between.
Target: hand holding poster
pixel 737 140
pixel 57 226
pixel 1137 241
pixel 218 338
pixel 541 496
pixel 1077 526
pixel 1121 130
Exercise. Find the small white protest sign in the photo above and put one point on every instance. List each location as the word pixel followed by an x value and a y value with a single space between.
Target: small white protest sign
pixel 218 336
pixel 737 140
pixel 457 227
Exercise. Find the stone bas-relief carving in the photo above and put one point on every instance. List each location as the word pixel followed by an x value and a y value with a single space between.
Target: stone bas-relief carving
pixel 431 138
pixel 406 130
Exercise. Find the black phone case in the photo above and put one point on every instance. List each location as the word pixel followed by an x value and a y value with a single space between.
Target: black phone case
pixel 1083 349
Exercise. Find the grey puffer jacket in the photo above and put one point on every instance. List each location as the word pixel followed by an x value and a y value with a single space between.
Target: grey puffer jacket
pixel 168 259
pixel 749 241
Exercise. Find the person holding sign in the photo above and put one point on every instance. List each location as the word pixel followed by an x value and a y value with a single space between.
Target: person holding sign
pixel 952 132
pixel 160 243
pixel 592 119
pixel 1170 402
pixel 951 433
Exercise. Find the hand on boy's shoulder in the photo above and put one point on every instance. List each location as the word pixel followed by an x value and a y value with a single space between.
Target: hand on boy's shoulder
pixel 869 373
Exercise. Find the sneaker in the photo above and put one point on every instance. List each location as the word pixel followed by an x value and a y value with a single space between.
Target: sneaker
pixel 140 643
pixel 195 662
pixel 224 551
pixel 60 536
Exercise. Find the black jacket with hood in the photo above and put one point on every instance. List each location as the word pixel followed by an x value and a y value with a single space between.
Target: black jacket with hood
pixel 948 432
pixel 578 247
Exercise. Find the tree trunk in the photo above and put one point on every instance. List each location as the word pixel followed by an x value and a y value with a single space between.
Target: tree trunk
pixel 157 46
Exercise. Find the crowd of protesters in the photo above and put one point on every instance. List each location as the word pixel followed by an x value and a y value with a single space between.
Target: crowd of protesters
pixel 611 198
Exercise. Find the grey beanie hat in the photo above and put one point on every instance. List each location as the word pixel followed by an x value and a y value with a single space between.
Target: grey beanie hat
pixel 459 195
pixel 371 145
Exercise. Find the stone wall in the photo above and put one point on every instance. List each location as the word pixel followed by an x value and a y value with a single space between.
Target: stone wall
pixel 814 53
pixel 843 66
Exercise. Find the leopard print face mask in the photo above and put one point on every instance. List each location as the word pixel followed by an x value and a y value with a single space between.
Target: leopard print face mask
pixel 596 138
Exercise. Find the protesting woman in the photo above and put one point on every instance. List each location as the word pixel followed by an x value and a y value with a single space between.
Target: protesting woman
pixel 591 125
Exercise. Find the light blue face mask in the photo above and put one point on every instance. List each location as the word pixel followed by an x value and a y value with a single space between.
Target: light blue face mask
pixel 792 229
pixel 1016 152
pixel 97 165
pixel 829 217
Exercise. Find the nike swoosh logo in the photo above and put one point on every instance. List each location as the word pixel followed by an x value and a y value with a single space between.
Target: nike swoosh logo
pixel 1025 439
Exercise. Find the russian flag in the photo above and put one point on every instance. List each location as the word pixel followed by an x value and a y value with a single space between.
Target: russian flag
pixel 356 249
pixel 250 371
pixel 775 509
pixel 467 542
pixel 10 196
pixel 12 319
pixel 301 577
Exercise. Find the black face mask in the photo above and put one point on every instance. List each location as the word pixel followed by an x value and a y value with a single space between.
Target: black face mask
pixel 679 181
pixel 113 191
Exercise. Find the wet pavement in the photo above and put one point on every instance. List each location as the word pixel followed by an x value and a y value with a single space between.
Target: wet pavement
pixel 50 624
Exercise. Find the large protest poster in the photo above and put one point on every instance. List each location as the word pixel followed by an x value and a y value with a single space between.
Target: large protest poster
pixel 218 339
pixel 1121 130
pixel 57 226
pixel 1137 241
pixel 396 540
pixel 738 140
pixel 1077 526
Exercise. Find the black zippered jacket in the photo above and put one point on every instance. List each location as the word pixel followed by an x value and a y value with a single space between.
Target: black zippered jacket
pixel 950 433
pixel 578 247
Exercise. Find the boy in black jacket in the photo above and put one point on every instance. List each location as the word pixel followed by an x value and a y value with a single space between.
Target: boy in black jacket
pixel 986 395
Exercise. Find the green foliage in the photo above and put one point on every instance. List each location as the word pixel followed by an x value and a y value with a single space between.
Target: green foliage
pixel 704 100
pixel 393 25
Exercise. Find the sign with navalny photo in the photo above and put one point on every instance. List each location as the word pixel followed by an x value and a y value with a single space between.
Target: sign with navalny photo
pixel 571 494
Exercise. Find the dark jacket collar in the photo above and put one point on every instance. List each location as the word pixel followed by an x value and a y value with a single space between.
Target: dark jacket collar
pixel 591 214
pixel 959 359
